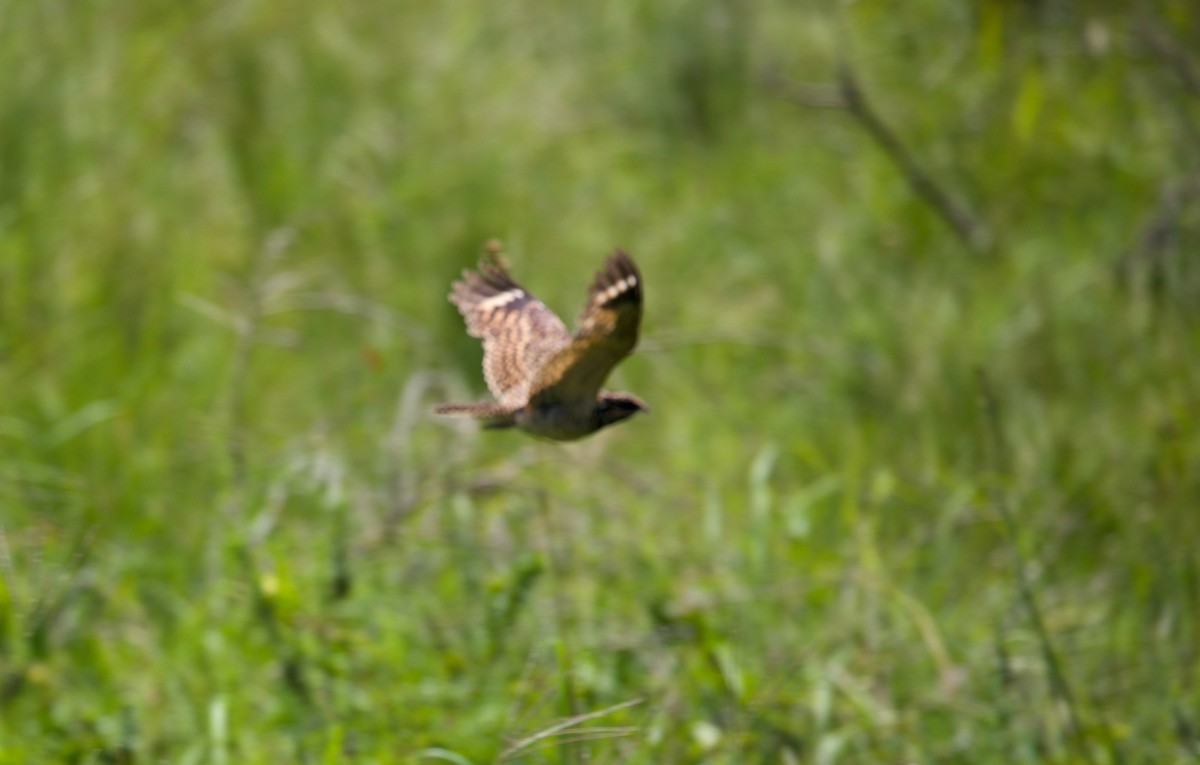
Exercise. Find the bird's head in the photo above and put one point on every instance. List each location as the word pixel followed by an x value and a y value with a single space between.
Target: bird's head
pixel 613 407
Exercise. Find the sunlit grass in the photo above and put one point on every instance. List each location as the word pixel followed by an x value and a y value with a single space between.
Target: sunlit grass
pixel 231 533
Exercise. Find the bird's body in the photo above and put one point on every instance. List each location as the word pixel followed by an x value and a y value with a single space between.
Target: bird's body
pixel 559 421
pixel 546 380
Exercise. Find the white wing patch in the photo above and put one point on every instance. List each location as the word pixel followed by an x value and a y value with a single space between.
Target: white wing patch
pixel 501 300
pixel 628 283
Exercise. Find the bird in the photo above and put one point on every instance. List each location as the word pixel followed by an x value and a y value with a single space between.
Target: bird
pixel 547 381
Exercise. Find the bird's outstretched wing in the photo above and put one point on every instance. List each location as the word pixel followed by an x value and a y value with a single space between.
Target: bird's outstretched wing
pixel 519 333
pixel 607 333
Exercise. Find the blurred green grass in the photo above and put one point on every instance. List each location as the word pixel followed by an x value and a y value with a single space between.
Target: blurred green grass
pixel 231 533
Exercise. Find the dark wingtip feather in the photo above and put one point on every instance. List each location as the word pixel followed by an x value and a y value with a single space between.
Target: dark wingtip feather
pixel 491 279
pixel 618 267
pixel 496 276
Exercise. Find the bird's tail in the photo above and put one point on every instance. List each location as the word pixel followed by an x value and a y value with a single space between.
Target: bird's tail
pixel 495 415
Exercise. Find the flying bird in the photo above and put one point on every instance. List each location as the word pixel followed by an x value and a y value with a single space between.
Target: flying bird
pixel 546 380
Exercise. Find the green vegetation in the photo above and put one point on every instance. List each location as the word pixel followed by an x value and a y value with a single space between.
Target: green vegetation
pixel 904 495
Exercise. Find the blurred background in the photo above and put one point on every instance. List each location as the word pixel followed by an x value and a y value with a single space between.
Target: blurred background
pixel 921 343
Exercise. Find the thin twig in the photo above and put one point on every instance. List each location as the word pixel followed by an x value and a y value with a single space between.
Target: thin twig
pixel 565 726
pixel 849 96
pixel 1059 684
pixel 1149 256
pixel 674 340
pixel 247 327
pixel 554 570
pixel 808 95
pixel 970 229
pixel 1174 53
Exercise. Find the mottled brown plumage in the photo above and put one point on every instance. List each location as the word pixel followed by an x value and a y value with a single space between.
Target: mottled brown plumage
pixel 547 381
